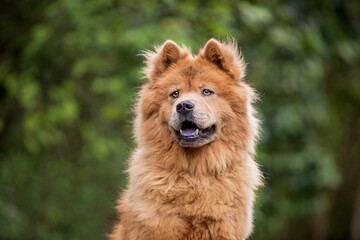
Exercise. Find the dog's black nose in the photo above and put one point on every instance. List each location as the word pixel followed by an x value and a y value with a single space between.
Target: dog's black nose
pixel 184 107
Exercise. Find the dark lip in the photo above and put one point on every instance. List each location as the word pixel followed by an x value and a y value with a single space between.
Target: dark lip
pixel 203 134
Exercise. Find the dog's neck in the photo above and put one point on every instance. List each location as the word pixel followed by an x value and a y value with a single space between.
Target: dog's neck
pixel 212 159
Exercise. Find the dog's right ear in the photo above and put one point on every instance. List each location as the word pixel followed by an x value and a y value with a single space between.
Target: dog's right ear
pixel 163 58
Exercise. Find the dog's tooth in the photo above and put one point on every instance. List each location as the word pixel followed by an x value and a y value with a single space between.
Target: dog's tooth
pixel 181 132
pixel 197 132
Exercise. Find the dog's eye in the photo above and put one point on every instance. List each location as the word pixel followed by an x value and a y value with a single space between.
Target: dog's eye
pixel 174 94
pixel 207 92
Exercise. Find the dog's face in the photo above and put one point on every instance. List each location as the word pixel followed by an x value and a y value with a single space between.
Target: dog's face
pixel 193 117
pixel 196 100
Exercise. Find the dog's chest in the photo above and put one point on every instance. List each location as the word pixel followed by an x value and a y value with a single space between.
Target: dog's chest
pixel 207 197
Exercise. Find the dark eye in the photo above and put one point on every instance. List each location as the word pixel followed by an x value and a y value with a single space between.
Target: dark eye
pixel 207 92
pixel 174 94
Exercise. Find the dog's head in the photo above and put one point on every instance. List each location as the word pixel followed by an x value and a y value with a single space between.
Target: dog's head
pixel 195 100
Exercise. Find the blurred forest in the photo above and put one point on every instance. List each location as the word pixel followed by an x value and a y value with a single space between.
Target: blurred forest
pixel 69 73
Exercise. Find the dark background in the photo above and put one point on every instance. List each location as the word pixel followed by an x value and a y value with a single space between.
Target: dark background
pixel 69 73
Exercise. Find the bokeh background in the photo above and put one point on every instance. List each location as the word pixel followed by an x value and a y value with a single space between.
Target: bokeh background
pixel 69 73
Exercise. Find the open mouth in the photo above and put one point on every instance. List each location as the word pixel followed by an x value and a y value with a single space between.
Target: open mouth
pixel 190 134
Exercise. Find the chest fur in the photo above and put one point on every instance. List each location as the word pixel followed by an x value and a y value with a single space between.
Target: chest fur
pixel 207 197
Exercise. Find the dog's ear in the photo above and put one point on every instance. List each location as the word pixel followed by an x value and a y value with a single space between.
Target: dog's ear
pixel 226 57
pixel 163 58
pixel 170 54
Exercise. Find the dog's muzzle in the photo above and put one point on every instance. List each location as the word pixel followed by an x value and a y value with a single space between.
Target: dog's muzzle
pixel 190 134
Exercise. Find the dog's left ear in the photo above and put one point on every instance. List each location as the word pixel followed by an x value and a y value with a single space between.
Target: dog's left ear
pixel 226 57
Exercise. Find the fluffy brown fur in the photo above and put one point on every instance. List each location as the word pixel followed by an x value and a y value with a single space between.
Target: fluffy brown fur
pixel 204 192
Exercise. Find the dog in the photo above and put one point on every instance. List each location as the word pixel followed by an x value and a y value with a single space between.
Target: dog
pixel 193 174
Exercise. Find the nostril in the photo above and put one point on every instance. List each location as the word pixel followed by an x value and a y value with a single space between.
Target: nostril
pixel 179 107
pixel 189 106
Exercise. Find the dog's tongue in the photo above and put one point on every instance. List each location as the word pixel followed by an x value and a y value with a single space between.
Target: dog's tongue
pixel 189 132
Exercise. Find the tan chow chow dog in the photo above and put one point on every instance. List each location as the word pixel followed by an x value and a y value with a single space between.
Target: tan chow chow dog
pixel 193 175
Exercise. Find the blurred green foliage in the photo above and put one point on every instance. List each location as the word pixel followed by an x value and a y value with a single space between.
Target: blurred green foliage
pixel 69 72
